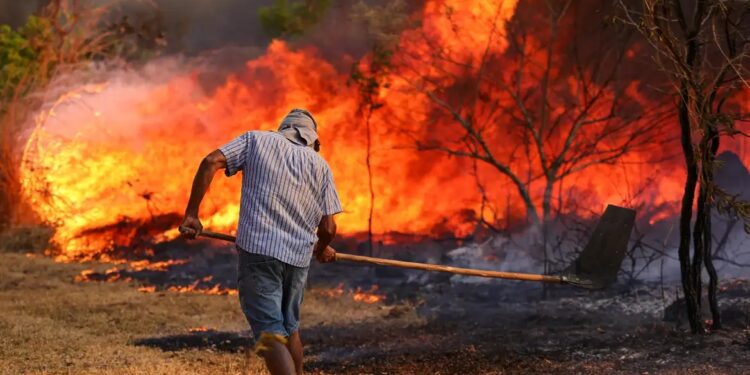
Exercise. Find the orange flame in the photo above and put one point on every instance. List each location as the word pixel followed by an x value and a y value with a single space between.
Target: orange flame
pixel 370 296
pixel 155 266
pixel 216 290
pixel 125 151
pixel 338 291
pixel 359 295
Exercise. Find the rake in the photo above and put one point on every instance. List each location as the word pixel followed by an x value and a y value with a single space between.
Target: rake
pixel 595 268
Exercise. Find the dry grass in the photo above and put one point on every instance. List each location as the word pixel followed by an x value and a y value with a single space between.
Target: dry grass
pixel 51 325
pixel 29 238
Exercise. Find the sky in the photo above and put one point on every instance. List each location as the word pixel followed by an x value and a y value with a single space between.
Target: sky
pixel 192 26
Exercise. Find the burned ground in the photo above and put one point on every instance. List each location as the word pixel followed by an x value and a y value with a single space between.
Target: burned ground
pixel 428 323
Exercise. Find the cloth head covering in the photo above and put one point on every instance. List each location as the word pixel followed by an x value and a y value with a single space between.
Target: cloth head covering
pixel 300 127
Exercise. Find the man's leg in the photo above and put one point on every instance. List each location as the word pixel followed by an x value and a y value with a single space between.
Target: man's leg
pixel 276 354
pixel 294 344
pixel 260 283
pixel 295 279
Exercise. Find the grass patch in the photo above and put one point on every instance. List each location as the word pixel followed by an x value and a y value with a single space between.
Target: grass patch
pixel 50 324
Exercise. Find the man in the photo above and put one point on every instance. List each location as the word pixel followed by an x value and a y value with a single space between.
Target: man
pixel 287 195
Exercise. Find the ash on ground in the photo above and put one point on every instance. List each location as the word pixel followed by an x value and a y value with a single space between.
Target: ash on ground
pixel 494 326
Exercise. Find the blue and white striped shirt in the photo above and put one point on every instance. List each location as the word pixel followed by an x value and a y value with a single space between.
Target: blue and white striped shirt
pixel 286 190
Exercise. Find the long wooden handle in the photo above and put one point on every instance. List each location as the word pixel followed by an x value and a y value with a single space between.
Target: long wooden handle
pixel 424 266
pixel 449 269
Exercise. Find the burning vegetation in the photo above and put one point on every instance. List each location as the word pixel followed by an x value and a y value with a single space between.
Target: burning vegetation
pixel 586 140
pixel 359 295
pixel 485 135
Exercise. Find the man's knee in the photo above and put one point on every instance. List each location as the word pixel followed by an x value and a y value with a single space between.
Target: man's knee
pixel 267 341
pixel 273 348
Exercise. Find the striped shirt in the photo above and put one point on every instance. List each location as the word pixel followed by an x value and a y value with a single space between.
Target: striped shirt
pixel 286 190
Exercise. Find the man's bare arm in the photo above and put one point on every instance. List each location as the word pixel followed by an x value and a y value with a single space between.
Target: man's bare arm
pixel 326 233
pixel 191 225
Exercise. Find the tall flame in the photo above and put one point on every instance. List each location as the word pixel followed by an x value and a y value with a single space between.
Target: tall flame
pixel 126 150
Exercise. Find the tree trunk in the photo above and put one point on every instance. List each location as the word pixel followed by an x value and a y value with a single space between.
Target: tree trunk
pixel 696 268
pixel 546 210
pixel 712 138
pixel 531 213
pixel 706 240
pixel 692 296
pixel 369 181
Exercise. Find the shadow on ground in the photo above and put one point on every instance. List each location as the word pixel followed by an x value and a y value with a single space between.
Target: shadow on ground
pixel 232 342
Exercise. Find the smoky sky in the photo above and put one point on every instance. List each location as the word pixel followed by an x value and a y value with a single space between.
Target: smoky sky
pixel 14 12
pixel 193 26
pixel 190 26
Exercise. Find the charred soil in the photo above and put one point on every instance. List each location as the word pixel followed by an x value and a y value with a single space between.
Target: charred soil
pixel 51 323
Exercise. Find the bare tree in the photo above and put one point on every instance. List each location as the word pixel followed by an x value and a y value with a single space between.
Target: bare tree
pixel 550 104
pixel 701 47
pixel 383 24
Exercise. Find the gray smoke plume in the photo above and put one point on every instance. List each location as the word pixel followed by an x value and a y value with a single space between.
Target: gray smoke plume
pixel 14 12
pixel 191 26
pixel 195 26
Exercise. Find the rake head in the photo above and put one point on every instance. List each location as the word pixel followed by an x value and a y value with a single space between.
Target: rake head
pixel 597 265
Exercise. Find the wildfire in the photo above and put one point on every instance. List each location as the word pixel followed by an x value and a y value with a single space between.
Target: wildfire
pixel 116 274
pixel 369 296
pixel 215 290
pixel 110 275
pixel 155 266
pixel 338 291
pixel 85 275
pixel 106 161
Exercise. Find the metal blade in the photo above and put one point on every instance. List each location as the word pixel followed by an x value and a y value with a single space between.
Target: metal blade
pixel 599 262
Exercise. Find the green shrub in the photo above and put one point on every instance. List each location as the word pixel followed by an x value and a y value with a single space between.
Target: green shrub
pixel 285 18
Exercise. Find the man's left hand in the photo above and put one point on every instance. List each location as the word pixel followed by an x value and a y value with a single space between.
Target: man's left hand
pixel 327 255
pixel 191 227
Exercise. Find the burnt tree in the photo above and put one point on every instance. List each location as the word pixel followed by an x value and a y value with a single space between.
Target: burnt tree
pixel 542 100
pixel 700 45
pixel 371 77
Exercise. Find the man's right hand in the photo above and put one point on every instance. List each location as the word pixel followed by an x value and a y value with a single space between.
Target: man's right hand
pixel 191 227
pixel 327 255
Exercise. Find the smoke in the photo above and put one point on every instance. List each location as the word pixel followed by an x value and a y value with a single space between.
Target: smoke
pixel 224 34
pixel 14 12
pixel 105 104
pixel 193 27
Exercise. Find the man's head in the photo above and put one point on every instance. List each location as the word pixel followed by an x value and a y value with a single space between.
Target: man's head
pixel 299 126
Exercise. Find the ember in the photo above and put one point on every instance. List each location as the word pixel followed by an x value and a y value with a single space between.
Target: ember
pixel 217 289
pixel 370 296
pixel 338 291
pixel 155 266
pixel 110 275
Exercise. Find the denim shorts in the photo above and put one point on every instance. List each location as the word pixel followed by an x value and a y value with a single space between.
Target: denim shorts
pixel 271 293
